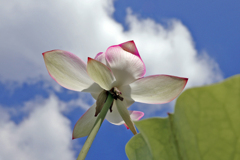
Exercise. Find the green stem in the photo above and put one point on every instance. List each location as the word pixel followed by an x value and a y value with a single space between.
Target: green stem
pixel 97 125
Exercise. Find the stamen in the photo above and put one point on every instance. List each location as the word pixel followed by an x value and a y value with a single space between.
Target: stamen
pixel 111 107
pixel 116 95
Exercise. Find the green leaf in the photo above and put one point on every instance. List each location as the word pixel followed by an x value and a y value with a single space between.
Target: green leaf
pixel 205 126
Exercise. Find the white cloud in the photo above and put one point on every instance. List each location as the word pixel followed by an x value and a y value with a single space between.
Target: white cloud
pixel 44 134
pixel 85 28
pixel 170 50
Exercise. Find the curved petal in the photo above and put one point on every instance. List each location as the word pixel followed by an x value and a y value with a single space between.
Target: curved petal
pixel 122 109
pixel 67 69
pixel 125 63
pixel 100 73
pixel 135 116
pixel 84 125
pixel 101 57
pixel 156 89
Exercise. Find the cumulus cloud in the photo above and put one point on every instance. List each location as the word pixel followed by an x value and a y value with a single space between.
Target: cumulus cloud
pixel 170 50
pixel 85 28
pixel 44 134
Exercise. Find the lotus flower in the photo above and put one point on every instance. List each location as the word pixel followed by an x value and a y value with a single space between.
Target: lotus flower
pixel 118 71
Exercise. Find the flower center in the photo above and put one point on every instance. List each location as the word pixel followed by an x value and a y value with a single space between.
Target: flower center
pixel 116 93
pixel 102 97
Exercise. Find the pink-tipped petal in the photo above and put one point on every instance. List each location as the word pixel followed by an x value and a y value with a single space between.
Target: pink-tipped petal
pixel 84 125
pixel 130 47
pixel 135 116
pixel 125 63
pixel 156 89
pixel 101 57
pixel 100 73
pixel 67 69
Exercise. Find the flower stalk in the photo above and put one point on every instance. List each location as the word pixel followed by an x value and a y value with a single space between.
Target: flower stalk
pixel 96 126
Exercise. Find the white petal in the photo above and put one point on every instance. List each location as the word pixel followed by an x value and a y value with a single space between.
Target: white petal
pixel 67 69
pixel 156 89
pixel 100 73
pixel 85 124
pixel 125 63
pixel 114 116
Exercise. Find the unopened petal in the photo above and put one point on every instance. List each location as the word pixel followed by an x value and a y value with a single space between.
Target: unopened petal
pixel 85 124
pixel 67 69
pixel 100 73
pixel 156 89
pixel 125 63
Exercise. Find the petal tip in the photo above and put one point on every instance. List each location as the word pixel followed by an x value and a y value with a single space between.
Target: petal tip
pixel 45 53
pixel 73 137
pixel 130 41
pixel 186 80
pixel 90 59
pixel 141 115
pixel 49 51
pixel 131 47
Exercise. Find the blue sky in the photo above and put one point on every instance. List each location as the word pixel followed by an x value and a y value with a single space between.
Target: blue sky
pixel 194 39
